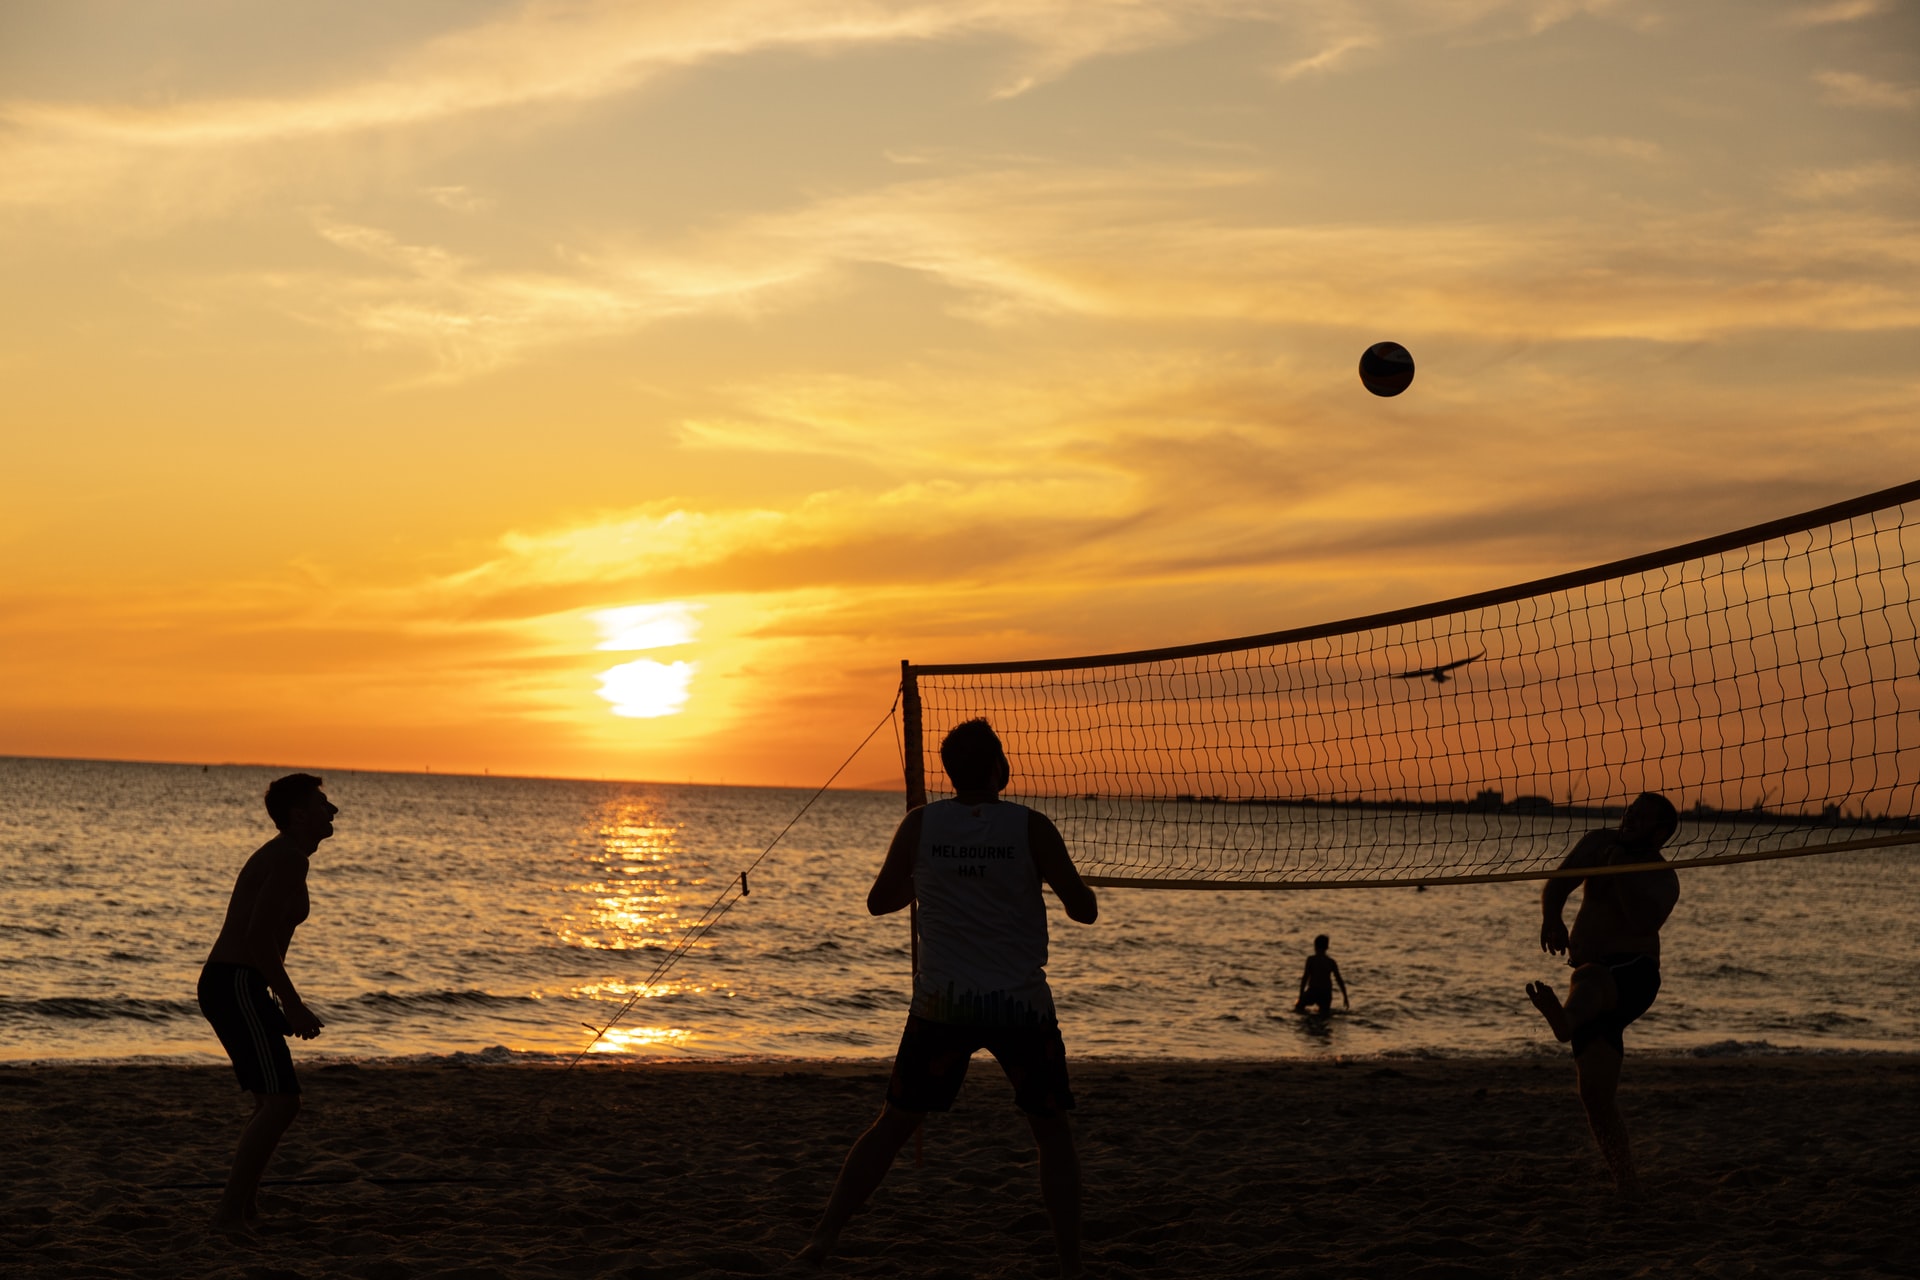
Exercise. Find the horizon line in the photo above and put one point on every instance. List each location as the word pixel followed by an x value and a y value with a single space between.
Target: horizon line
pixel 427 772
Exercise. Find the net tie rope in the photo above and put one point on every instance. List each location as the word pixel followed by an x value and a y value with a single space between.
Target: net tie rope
pixel 726 900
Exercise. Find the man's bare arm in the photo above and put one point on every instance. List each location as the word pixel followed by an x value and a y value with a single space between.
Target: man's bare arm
pixel 1056 867
pixel 893 887
pixel 1590 852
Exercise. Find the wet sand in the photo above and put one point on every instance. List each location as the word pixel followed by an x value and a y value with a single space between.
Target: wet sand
pixel 1756 1167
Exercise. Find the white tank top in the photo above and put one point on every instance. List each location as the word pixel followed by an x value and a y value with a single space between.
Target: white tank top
pixel 983 926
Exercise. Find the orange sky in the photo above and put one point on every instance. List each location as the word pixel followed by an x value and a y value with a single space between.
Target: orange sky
pixel 378 378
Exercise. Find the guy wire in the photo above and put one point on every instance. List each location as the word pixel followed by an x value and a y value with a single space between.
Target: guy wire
pixel 724 903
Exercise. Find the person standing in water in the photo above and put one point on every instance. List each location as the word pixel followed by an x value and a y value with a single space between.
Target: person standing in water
pixel 974 864
pixel 1317 979
pixel 245 992
pixel 1615 951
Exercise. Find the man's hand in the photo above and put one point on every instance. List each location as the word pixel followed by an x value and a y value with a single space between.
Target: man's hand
pixel 1553 935
pixel 305 1022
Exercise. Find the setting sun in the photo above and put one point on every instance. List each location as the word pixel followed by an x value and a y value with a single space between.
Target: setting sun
pixel 646 688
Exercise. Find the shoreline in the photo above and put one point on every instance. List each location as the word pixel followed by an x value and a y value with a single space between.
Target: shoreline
pixel 1431 1168
pixel 502 1056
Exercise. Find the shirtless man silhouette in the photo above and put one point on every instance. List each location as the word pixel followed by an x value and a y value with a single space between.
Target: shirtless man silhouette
pixel 974 864
pixel 244 988
pixel 1317 979
pixel 1615 951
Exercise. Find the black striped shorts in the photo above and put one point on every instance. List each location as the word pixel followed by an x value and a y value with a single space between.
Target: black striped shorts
pixel 251 1027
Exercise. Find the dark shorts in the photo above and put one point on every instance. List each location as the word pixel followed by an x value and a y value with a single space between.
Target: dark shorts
pixel 932 1063
pixel 1637 979
pixel 1319 996
pixel 251 1027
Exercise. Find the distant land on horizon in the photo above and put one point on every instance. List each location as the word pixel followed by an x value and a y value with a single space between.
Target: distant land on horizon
pixel 1486 801
pixel 884 784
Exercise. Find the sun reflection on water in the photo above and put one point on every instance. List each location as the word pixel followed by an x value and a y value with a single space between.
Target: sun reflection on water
pixel 641 1039
pixel 634 884
pixel 629 897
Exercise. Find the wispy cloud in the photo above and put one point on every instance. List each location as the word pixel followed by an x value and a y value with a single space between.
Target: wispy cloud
pixel 458 199
pixel 1125 244
pixel 648 626
pixel 1340 50
pixel 190 156
pixel 1851 89
pixel 1836 11
pixel 473 318
pixel 1642 150
pixel 541 53
pixel 1853 180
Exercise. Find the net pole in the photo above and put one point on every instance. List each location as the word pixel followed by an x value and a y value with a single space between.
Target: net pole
pixel 914 762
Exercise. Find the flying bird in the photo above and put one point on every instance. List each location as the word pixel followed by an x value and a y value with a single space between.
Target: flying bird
pixel 1438 674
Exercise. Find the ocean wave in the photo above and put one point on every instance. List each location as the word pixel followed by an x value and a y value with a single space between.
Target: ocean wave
pixel 1766 1048
pixel 102 1008
pixel 1818 1021
pixel 494 1053
pixel 391 1000
pixel 95 1009
pixel 38 930
pixel 1735 971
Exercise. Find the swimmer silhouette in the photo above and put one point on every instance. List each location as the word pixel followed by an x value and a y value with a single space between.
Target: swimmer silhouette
pixel 1317 979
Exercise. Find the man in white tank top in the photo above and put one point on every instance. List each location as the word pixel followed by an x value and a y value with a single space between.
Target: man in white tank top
pixel 975 864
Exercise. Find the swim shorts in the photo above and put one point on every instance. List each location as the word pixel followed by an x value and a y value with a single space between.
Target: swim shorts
pixel 251 1027
pixel 932 1063
pixel 1637 980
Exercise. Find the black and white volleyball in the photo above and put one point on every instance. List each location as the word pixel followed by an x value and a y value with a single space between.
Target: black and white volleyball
pixel 1386 369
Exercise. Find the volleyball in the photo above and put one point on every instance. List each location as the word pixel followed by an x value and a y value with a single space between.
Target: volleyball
pixel 1386 369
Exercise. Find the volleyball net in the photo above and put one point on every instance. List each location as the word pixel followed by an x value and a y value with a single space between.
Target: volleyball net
pixel 1766 681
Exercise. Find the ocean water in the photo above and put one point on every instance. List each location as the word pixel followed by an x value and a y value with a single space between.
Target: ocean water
pixel 499 915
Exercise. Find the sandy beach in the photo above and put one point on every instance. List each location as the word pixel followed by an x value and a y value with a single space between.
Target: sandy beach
pixel 1756 1167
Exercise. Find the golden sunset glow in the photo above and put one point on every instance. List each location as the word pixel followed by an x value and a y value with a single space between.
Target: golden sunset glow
pixel 623 390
